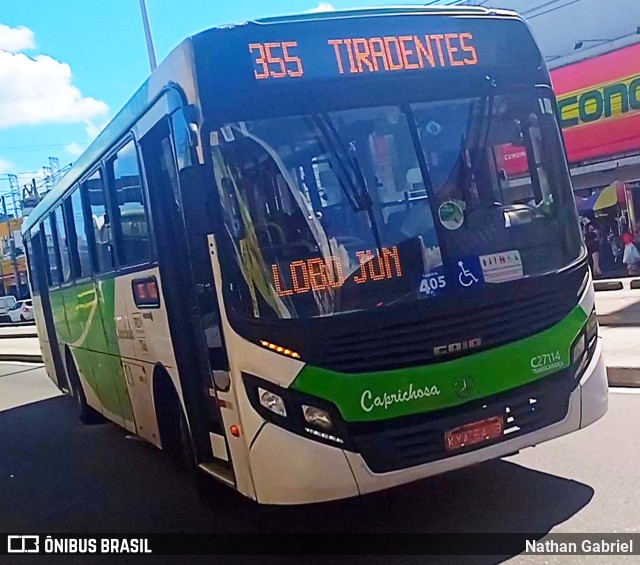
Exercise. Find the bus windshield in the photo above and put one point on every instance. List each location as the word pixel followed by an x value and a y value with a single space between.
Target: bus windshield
pixel 349 210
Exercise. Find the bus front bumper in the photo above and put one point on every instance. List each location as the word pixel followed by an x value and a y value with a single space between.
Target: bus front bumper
pixel 290 469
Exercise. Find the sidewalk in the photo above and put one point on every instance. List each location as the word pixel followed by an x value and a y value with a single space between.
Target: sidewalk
pixel 10 331
pixel 618 314
pixel 23 349
pixel 619 318
pixel 22 384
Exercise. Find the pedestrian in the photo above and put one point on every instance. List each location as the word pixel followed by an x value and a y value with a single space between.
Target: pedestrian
pixel 631 257
pixel 616 249
pixel 636 235
pixel 592 240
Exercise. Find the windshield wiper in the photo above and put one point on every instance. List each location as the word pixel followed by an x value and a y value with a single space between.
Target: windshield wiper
pixel 339 155
pixel 364 196
pixel 360 198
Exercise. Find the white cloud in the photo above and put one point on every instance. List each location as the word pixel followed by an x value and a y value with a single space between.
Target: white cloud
pixel 37 90
pixel 5 166
pixel 15 39
pixel 75 149
pixel 92 129
pixel 322 7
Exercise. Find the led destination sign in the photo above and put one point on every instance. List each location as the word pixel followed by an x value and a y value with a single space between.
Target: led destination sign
pixel 310 57
pixel 320 274
pixel 357 55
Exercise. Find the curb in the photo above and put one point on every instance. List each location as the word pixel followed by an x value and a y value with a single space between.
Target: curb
pixel 18 358
pixel 624 376
pixel 617 320
pixel 605 285
pixel 17 336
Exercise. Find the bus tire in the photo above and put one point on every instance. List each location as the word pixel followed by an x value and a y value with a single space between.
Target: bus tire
pixel 175 436
pixel 86 413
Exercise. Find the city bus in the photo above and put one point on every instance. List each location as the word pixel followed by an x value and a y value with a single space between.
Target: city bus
pixel 321 255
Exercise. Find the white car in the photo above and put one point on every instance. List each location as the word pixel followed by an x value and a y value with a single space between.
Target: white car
pixel 22 311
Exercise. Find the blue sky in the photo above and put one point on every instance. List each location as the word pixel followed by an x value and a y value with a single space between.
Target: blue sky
pixel 103 44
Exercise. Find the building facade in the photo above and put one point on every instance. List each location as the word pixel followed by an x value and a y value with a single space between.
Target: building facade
pixel 593 50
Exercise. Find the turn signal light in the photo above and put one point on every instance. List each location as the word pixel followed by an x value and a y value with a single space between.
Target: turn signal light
pixel 279 349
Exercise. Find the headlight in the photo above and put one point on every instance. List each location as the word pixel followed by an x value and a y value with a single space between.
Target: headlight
pixel 272 401
pixel 300 413
pixel 317 417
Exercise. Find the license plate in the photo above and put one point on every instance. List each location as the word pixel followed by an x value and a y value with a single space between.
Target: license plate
pixel 475 432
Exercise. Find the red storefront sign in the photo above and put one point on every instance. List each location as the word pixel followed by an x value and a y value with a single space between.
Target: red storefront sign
pixel 599 103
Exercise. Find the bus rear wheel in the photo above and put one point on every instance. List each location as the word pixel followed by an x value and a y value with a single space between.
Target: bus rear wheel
pixel 87 415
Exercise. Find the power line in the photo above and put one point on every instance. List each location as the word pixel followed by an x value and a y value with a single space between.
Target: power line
pixel 31 147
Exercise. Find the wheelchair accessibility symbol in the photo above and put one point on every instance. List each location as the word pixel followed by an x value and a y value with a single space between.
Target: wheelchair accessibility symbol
pixel 466 277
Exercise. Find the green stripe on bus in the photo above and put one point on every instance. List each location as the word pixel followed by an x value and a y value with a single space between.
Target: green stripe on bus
pixel 92 334
pixel 389 394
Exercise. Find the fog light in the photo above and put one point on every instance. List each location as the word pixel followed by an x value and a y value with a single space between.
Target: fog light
pixel 317 417
pixel 272 402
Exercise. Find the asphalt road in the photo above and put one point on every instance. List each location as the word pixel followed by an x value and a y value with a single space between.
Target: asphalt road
pixel 57 475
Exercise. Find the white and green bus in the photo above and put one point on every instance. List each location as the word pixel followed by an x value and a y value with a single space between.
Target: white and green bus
pixel 326 254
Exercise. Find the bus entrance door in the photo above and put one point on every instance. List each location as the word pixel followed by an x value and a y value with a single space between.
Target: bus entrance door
pixel 42 301
pixel 180 215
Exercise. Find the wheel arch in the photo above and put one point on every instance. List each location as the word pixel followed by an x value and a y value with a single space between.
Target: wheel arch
pixel 166 402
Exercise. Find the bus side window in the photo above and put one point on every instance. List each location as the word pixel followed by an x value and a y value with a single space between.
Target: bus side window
pixel 130 221
pixel 63 245
pixel 53 275
pixel 93 188
pixel 78 244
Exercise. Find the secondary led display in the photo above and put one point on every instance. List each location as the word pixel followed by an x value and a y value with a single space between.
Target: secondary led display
pixel 320 274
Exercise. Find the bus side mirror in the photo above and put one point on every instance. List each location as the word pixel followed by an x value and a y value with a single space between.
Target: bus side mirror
pixel 184 124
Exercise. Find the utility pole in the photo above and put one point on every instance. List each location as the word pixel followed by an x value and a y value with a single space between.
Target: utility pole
pixel 14 261
pixel 4 219
pixel 15 195
pixel 30 197
pixel 147 34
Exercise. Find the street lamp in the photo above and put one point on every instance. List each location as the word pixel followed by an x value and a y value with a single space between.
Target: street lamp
pixel 147 34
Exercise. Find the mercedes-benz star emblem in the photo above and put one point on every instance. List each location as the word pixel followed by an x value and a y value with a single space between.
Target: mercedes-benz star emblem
pixel 464 386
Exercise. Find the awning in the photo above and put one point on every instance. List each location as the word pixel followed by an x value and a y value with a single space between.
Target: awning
pixel 602 198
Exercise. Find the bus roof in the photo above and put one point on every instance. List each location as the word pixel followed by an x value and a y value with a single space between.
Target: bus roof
pixel 386 11
pixel 166 72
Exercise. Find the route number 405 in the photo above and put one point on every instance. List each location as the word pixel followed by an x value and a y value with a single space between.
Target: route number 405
pixel 432 283
pixel 274 60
